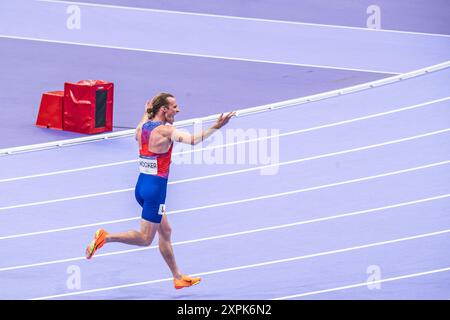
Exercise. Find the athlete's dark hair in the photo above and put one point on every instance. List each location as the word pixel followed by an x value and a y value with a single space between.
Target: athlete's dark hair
pixel 156 103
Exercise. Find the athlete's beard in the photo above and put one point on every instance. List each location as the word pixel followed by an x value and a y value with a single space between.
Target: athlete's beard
pixel 170 119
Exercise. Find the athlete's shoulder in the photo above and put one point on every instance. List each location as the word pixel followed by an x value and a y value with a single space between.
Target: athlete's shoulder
pixel 166 130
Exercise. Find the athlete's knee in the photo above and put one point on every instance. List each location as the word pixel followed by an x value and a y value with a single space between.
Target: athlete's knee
pixel 146 241
pixel 146 238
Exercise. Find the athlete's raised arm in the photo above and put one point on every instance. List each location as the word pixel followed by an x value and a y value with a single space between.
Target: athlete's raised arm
pixel 193 139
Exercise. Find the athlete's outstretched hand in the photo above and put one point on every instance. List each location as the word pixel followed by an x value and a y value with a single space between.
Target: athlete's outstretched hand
pixel 223 120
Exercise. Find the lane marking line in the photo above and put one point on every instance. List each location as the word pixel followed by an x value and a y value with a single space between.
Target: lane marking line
pixel 363 284
pixel 298 223
pixel 250 266
pixel 334 124
pixel 236 201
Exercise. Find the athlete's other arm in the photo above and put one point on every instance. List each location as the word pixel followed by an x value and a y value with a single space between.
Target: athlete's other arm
pixel 184 137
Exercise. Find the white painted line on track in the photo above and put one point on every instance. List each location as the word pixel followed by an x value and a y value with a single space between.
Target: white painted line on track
pixel 67 199
pixel 230 17
pixel 250 266
pixel 175 212
pixel 236 201
pixel 82 226
pixel 240 112
pixel 326 155
pixel 289 162
pixel 69 170
pixel 364 284
pixel 285 134
pixel 303 222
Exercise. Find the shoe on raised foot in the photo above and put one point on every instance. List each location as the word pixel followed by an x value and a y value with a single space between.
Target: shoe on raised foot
pixel 98 242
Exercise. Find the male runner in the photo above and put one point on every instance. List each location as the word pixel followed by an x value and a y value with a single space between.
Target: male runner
pixel 155 139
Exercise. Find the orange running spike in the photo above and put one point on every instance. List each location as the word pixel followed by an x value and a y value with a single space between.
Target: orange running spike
pixel 185 281
pixel 97 243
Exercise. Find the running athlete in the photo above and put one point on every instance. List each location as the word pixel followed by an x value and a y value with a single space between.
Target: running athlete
pixel 155 139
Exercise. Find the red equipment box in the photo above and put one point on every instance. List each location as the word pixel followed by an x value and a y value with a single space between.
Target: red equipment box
pixel 88 106
pixel 51 110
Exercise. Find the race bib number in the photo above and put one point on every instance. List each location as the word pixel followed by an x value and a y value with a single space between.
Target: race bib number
pixel 148 166
pixel 162 209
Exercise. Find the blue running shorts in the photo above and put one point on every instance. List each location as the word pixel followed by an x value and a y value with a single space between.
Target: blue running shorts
pixel 150 193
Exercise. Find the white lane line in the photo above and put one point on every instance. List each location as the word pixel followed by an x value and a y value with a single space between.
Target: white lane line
pixel 82 226
pixel 46 174
pixel 67 199
pixel 272 262
pixel 236 201
pixel 175 212
pixel 288 162
pixel 321 156
pixel 230 17
pixel 196 55
pixel 364 284
pixel 334 124
pixel 302 222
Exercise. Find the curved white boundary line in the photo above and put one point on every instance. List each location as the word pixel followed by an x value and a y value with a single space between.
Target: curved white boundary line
pixel 212 15
pixel 241 112
pixel 191 54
